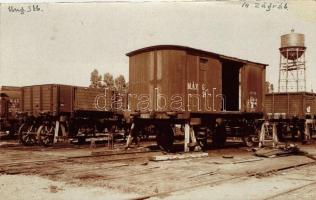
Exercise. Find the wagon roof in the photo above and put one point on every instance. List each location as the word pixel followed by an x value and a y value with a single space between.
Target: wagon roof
pixel 189 49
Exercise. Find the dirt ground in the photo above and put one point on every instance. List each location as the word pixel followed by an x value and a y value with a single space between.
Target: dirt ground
pixel 79 172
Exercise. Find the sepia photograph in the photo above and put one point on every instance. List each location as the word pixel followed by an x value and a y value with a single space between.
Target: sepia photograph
pixel 173 99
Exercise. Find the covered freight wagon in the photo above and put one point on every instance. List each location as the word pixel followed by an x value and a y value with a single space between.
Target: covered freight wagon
pixel 13 95
pixel 10 97
pixel 206 90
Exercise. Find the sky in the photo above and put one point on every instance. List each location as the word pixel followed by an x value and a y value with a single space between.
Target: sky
pixel 63 42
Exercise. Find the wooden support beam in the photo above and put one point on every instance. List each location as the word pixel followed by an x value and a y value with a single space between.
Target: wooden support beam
pixel 56 132
pixel 186 137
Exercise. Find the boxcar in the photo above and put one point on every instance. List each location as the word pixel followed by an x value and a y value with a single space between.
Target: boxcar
pixel 206 92
pixel 10 97
pixel 56 111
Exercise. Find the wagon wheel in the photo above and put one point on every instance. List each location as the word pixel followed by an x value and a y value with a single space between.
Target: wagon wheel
pixel 219 137
pixel 26 134
pixel 251 136
pixel 249 140
pixel 165 137
pixel 201 137
pixel 46 135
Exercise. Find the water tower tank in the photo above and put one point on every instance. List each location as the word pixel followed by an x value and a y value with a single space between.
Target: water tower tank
pixel 292 45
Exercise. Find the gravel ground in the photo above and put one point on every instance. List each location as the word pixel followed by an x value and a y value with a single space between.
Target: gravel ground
pixel 18 187
pixel 277 186
pixel 229 173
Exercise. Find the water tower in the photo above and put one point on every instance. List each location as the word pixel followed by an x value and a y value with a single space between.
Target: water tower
pixel 292 70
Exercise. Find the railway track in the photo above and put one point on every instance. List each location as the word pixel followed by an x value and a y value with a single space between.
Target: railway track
pixel 20 167
pixel 97 164
pixel 290 191
pixel 235 179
